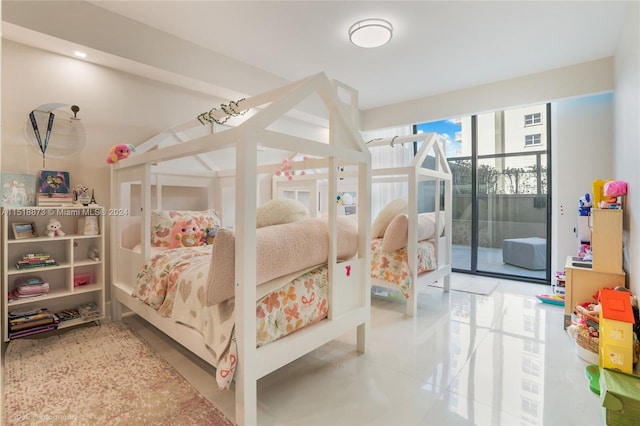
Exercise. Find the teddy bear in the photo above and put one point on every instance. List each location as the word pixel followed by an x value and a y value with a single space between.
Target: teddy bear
pixel 54 228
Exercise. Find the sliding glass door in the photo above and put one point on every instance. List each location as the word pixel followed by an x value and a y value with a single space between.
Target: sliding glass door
pixel 499 162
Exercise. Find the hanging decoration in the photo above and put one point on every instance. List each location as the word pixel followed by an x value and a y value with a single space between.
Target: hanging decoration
pixel 54 132
pixel 231 110
pixel 42 143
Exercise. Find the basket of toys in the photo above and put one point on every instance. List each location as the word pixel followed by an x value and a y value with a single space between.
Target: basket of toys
pixel 585 331
pixel 587 339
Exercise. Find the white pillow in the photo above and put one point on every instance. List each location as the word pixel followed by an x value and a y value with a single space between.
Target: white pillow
pixel 276 212
pixel 386 215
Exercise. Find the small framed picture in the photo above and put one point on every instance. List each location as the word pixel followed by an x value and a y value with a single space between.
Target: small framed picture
pixel 24 230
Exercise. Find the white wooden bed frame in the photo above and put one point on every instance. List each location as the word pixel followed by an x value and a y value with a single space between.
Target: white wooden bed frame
pixel 412 175
pixel 143 171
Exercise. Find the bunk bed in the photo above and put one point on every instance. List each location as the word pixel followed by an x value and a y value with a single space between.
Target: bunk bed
pixel 229 278
pixel 424 211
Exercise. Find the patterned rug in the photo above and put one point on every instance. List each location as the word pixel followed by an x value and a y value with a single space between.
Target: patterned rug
pixel 103 375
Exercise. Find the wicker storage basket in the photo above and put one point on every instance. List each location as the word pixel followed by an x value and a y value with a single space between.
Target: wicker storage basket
pixel 587 342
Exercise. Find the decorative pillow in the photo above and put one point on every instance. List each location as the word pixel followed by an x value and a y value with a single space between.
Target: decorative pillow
pixel 277 212
pixel 167 226
pixel 397 232
pixel 386 215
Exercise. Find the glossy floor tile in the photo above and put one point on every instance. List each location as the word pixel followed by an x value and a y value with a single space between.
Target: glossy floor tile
pixel 464 359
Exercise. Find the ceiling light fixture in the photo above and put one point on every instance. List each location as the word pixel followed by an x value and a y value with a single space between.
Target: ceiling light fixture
pixel 80 54
pixel 370 33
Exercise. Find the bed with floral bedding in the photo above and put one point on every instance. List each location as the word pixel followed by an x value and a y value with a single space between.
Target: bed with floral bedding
pixel 174 282
pixel 201 164
pixel 393 266
pixel 411 235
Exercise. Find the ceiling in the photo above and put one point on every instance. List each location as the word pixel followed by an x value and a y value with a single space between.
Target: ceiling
pixel 437 46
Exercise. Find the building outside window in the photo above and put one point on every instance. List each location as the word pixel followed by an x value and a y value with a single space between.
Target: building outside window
pixel 532 119
pixel 535 139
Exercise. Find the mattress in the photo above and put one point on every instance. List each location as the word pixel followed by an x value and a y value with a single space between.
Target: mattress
pixel 393 267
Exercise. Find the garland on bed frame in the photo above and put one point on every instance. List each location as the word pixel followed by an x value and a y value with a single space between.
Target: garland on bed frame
pixel 231 110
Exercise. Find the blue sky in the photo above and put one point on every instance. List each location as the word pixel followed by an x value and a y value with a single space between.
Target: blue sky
pixel 448 129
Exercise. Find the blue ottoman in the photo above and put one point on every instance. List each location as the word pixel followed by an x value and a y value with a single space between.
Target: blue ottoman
pixel 529 253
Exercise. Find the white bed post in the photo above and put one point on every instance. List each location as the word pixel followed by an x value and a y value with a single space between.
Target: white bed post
pixel 245 274
pixel 412 244
pixel 448 209
pixel 332 192
pixel 364 246
pixel 116 200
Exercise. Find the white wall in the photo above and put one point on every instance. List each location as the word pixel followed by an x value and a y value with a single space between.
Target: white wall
pixel 577 80
pixel 627 135
pixel 581 151
pixel 115 107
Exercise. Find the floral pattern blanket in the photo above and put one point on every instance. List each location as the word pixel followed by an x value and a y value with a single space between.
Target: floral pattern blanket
pixel 174 283
pixel 392 267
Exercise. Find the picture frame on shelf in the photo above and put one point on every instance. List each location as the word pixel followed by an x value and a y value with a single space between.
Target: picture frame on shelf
pixel 23 230
pixel 53 182
pixel 18 190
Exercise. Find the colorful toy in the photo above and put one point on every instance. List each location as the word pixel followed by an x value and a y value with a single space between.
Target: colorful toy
pixel 598 195
pixel 612 190
pixel 584 205
pixel 185 233
pixel 54 228
pixel 553 299
pixel 119 152
pixel 209 235
pixel 287 169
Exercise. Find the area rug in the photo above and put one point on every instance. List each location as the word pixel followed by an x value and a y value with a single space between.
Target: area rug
pixel 483 288
pixel 103 375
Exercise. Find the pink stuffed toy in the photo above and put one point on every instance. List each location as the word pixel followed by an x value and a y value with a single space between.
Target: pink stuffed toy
pixel 119 152
pixel 612 190
pixel 615 188
pixel 185 233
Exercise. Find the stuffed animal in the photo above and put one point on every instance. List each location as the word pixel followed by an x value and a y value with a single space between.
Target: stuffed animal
pixel 584 205
pixel 185 233
pixel 54 228
pixel 209 235
pixel 119 152
pixel 612 190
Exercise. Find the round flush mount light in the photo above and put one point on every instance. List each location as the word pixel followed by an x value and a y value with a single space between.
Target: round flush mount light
pixel 370 33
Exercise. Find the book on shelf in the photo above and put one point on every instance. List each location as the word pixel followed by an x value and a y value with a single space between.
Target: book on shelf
pixel 54 199
pixel 32 324
pixel 32 331
pixel 68 314
pixel 89 311
pixel 32 320
pixel 38 260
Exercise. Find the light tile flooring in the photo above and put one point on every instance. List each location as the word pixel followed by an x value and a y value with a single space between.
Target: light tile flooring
pixel 465 359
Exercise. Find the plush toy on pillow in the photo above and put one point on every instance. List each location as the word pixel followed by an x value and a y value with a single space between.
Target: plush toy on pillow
pixel 209 235
pixel 185 233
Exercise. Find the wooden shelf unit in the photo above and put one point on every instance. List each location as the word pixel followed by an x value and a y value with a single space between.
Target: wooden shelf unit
pixel 581 283
pixel 70 251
